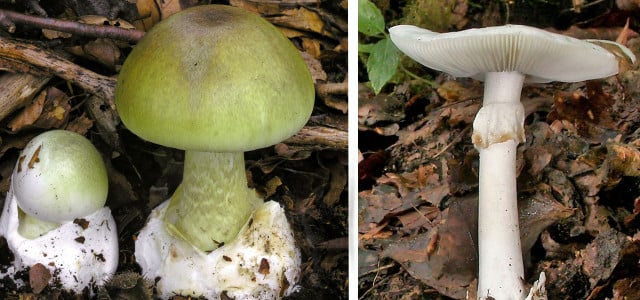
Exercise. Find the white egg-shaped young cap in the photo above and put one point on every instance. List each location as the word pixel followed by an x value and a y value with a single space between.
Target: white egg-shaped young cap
pixel 59 176
pixel 540 55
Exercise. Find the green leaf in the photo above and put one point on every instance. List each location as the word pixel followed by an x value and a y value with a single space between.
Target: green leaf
pixel 370 19
pixel 382 63
pixel 365 48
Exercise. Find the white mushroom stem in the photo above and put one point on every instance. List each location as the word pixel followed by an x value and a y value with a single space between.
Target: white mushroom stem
pixel 500 258
pixel 32 227
pixel 498 128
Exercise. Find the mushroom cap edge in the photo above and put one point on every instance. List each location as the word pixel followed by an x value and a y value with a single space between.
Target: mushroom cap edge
pixel 541 55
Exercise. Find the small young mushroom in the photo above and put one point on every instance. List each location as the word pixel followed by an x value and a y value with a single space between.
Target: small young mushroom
pixel 504 57
pixel 54 212
pixel 216 81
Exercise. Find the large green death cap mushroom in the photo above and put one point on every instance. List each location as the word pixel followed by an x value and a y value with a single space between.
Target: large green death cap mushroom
pixel 215 81
pixel 220 80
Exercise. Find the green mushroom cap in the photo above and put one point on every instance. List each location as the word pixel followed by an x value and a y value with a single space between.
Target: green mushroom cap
pixel 215 78
pixel 60 176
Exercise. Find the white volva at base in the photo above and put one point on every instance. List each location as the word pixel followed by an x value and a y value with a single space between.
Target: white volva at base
pixel 261 263
pixel 76 257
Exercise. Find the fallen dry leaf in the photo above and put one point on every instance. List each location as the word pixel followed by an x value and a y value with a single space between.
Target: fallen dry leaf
pixel 375 231
pixel 302 19
pixel 56 110
pixel 29 114
pixel 383 202
pixel 39 277
pixel 18 90
pixel 311 46
pixel 80 125
pixel 445 256
pixel 565 280
pixel 623 160
pixel 337 184
pixel 589 111
pixel 536 213
pixel 627 288
pixel 315 67
pixel 425 183
pixel 371 166
pixel 602 255
pixel 380 108
pixel 420 217
pixel 153 11
pixel 103 51
pixel 538 158
pixel 456 91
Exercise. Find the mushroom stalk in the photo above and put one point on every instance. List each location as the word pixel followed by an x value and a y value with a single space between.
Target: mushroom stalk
pixel 501 270
pixel 213 202
pixel 500 259
pixel 31 227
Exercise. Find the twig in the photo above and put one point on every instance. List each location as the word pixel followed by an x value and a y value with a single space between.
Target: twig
pixel 377 270
pixel 8 19
pixel 454 141
pixel 321 136
pixel 374 285
pixel 325 89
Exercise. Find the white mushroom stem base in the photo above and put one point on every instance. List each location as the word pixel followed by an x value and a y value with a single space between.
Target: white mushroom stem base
pixel 538 291
pixel 77 257
pixel 500 256
pixel 261 263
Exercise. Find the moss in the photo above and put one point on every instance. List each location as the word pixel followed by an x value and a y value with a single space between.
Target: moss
pixel 436 15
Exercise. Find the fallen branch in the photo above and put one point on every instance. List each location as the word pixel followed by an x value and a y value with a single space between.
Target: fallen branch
pixel 321 136
pixel 331 88
pixel 8 19
pixel 53 63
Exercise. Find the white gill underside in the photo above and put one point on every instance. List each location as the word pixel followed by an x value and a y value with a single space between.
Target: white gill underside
pixel 543 56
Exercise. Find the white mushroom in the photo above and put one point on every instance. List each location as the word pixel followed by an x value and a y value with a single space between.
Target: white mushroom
pixel 504 57
pixel 54 212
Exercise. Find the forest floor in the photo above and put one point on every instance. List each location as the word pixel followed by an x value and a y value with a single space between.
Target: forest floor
pixel 578 171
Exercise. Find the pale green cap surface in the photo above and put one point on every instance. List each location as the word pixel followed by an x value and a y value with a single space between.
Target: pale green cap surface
pixel 215 78
pixel 60 176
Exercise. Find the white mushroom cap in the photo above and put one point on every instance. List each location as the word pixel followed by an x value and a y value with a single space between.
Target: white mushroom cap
pixel 60 176
pixel 542 56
